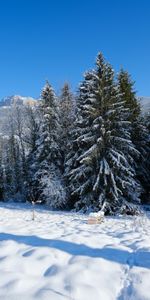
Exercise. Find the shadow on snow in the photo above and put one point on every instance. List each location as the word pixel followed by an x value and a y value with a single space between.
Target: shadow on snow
pixel 141 258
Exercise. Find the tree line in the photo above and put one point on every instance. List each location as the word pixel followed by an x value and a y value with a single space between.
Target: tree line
pixel 88 151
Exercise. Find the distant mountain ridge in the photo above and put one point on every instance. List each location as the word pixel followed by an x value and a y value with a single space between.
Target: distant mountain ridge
pixel 145 104
pixel 17 100
pixel 9 103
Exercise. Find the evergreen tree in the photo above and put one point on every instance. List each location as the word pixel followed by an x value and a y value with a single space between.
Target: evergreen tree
pixel 100 170
pixel 32 121
pixel 67 118
pixel 139 133
pixel 128 95
pixel 47 184
pixel 1 183
pixel 146 167
pixel 1 175
pixel 31 139
pixel 13 172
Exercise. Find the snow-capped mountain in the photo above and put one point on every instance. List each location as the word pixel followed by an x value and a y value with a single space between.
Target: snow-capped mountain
pixel 7 104
pixel 145 104
pixel 17 100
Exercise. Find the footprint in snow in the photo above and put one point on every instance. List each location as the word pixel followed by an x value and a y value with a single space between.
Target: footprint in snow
pixel 3 258
pixel 51 271
pixel 28 253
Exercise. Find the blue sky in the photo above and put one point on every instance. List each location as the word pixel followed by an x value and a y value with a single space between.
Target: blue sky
pixel 59 40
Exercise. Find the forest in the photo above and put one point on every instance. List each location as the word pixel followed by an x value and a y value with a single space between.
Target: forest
pixel 86 151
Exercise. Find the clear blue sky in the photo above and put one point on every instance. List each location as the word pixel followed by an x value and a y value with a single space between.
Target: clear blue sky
pixel 59 39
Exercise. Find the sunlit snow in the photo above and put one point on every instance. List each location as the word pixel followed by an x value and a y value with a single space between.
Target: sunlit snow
pixel 59 256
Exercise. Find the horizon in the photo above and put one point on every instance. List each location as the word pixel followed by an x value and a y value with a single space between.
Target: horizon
pixel 60 41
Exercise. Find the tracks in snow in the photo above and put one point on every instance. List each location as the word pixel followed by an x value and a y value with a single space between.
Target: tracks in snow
pixel 130 278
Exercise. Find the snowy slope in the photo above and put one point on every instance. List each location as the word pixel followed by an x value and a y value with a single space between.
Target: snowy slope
pixel 59 256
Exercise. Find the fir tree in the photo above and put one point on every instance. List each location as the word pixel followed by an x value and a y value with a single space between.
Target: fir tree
pixel 47 184
pixel 31 139
pixel 1 176
pixel 139 133
pixel 67 118
pixel 145 176
pixel 128 95
pixel 13 172
pixel 100 169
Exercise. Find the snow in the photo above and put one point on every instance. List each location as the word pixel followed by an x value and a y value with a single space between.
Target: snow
pixel 97 214
pixel 59 256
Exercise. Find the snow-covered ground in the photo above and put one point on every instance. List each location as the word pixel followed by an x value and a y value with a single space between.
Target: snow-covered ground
pixel 59 256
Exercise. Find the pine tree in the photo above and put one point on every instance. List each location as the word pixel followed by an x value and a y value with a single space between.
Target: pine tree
pixel 100 170
pixel 47 184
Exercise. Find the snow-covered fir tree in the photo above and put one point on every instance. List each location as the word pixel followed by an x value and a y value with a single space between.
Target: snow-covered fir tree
pixel 1 174
pixel 74 149
pixel 139 132
pixel 31 139
pixel 100 172
pixel 18 116
pixel 13 169
pixel 128 95
pixel 66 119
pixel 32 121
pixel 47 184
pixel 147 161
pixel 1 184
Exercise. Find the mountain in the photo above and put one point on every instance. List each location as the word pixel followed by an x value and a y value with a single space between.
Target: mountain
pixel 145 104
pixel 7 104
pixel 17 100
